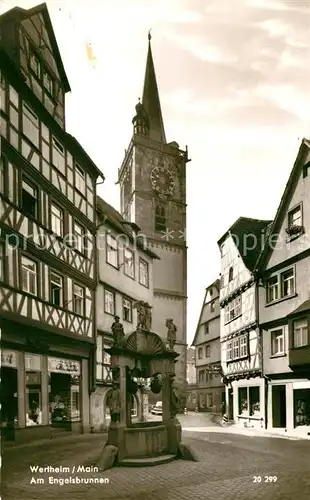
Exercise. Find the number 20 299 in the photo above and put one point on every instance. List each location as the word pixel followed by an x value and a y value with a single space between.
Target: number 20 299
pixel 265 479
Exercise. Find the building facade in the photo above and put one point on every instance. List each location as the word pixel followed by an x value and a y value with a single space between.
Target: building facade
pixel 284 272
pixel 152 182
pixel 210 388
pixel 125 276
pixel 47 242
pixel 241 357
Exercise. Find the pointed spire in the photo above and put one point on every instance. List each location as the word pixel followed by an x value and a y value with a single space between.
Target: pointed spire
pixel 150 99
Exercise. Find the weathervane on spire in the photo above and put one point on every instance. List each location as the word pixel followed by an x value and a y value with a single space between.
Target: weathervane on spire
pixel 149 34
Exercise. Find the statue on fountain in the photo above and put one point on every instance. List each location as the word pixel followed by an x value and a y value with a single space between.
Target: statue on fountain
pixel 172 333
pixel 118 332
pixel 144 315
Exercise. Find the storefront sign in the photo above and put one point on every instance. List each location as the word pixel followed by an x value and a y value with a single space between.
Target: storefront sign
pixel 8 358
pixel 59 365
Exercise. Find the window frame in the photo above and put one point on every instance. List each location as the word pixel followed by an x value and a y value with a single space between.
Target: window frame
pixel 207 351
pixel 58 207
pixel 279 284
pixel 233 310
pixel 77 167
pixel 230 274
pixel 32 185
pixel 130 308
pixel 144 262
pixel 56 273
pixel 34 54
pixel 28 113
pixel 106 291
pixel 57 145
pixel 237 348
pixel 2 262
pixel 81 237
pixel 206 327
pixel 273 333
pixel 200 353
pixel 37 271
pixel 115 250
pixel 126 249
pixel 83 297
pixel 160 223
pixel 304 319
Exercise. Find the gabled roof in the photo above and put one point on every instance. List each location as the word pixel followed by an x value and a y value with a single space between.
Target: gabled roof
pixel 285 200
pixel 18 14
pixel 215 283
pixel 151 101
pixel 111 216
pixel 249 236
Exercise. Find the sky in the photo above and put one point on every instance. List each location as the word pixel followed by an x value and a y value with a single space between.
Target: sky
pixel 234 83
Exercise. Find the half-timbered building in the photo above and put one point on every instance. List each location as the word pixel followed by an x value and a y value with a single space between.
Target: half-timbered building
pixel 210 387
pixel 284 274
pixel 241 358
pixel 47 241
pixel 125 276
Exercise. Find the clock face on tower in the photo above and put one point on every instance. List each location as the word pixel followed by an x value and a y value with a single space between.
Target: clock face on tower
pixel 162 181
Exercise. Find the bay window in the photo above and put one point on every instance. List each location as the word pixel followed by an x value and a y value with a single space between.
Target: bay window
pixel 300 333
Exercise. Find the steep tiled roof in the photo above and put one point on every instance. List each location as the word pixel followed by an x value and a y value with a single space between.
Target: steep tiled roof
pixel 111 216
pixel 249 236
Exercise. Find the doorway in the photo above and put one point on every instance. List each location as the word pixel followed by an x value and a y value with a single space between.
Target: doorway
pixel 279 406
pixel 9 405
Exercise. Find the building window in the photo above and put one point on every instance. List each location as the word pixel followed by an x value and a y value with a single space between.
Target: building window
pixel 127 310
pixel 33 390
pixel 300 332
pixel 58 156
pixel 243 344
pixel 78 237
pixel 206 328
pixel 301 407
pixel 29 275
pixel 233 309
pixel 230 274
pixel 229 351
pixel 277 341
pixel 272 289
pixel 79 179
pixel 207 351
pixel 160 218
pixel 112 251
pixel 109 302
pixel 281 285
pixel 212 306
pixel 35 65
pixel 56 289
pixel 29 201
pixel 249 400
pixel 57 220
pixel 295 222
pixel 30 125
pixel 200 353
pixel 209 401
pixel 201 376
pixel 236 348
pixel 48 83
pixel 78 299
pixel 287 283
pixel 103 369
pixel 129 268
pixel 143 273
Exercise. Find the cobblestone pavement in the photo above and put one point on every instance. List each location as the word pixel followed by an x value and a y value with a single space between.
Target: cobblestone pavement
pixel 227 470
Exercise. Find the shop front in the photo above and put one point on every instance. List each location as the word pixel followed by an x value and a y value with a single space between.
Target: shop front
pixel 289 406
pixel 42 395
pixel 248 402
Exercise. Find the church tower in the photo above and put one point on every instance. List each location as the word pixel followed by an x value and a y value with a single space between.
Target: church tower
pixel 152 181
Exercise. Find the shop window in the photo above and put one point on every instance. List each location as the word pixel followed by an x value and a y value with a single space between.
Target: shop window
pixel 64 391
pixel 9 399
pixel 33 390
pixel 301 407
pixel 249 400
pixel 243 400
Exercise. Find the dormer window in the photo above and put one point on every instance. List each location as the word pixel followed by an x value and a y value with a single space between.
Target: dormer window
pixel 295 223
pixel 35 65
pixel 230 274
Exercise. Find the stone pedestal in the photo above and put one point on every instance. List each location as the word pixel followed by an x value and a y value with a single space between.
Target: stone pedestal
pixel 174 434
pixel 116 437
